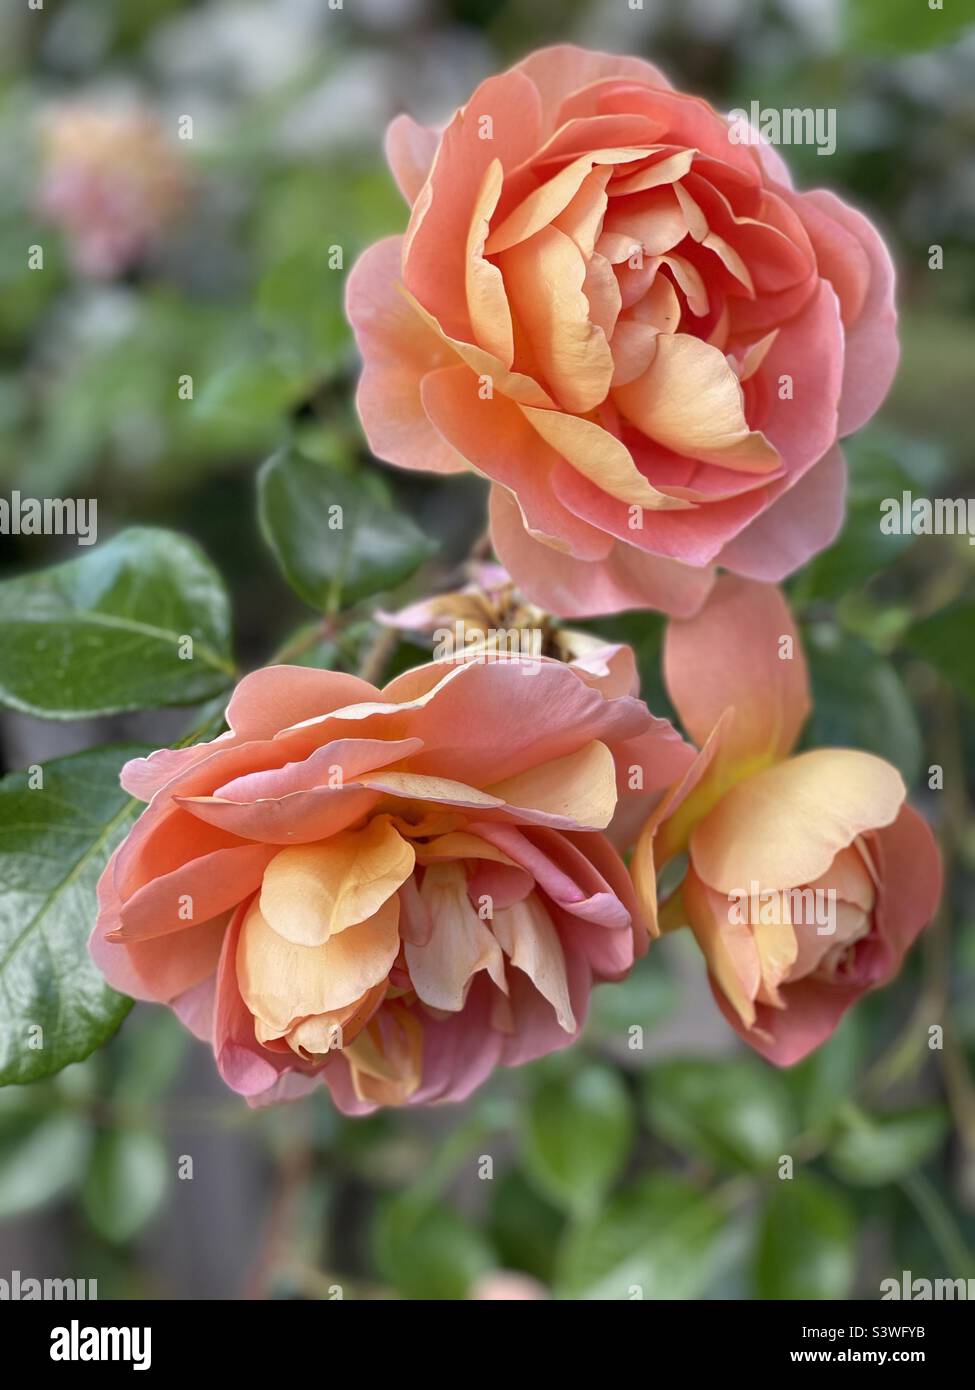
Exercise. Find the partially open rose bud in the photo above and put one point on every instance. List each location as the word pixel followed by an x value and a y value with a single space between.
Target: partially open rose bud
pixel 392 891
pixel 808 877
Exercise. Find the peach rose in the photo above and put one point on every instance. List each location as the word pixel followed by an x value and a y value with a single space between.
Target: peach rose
pixel 392 891
pixel 628 322
pixel 808 877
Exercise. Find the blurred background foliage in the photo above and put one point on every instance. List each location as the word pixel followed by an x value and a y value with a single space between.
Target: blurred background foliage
pixel 617 1166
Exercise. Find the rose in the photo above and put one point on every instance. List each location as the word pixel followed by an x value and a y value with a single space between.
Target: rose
pixel 391 891
pixel 631 324
pixel 808 877
pixel 112 182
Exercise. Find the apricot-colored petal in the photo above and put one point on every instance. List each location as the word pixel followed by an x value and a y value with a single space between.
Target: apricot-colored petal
pixel 310 892
pixel 410 149
pixel 280 981
pixel 797 524
pixel 576 791
pixel 577 588
pixel 196 892
pixel 783 826
pixel 690 399
pixel 502 120
pixel 487 301
pixel 551 199
pixel 728 947
pixel 460 943
pixel 397 348
pixel 528 937
pixel 564 69
pixel 544 276
pixel 742 650
pixel 599 456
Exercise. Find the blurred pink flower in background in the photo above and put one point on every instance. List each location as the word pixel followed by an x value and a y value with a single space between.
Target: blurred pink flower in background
pixel 756 819
pixel 111 181
pixel 631 323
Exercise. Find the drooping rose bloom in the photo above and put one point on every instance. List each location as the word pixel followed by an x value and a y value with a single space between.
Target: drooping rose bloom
pixel 111 181
pixel 391 891
pixel 631 324
pixel 808 876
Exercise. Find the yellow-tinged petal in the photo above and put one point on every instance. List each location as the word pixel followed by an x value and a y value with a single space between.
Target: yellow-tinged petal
pixel 690 400
pixel 310 892
pixel 460 943
pixel 784 826
pixel 545 276
pixel 551 199
pixel 580 787
pixel 528 937
pixel 281 982
pixel 601 457
pixel 728 947
pixel 487 301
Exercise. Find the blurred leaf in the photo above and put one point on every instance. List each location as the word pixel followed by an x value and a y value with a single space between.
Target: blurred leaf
pixel 55 840
pixel 301 298
pixel 945 641
pixel 881 462
pixel 823 1081
pixel 155 1045
pixel 253 395
pixel 859 701
pixel 125 1183
pixel 806 1246
pixel 104 633
pixel 644 999
pixel 884 1148
pixel 40 1162
pixel 736 1113
pixel 578 1133
pixel 659 1238
pixel 427 1250
pixel 905 26
pixel 524 1227
pixel 335 533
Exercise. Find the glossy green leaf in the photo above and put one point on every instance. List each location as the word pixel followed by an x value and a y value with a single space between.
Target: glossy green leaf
pixel 55 839
pixel 335 534
pixel 140 621
pixel 578 1133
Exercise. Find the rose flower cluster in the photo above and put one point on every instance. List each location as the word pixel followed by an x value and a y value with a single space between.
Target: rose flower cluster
pixel 649 343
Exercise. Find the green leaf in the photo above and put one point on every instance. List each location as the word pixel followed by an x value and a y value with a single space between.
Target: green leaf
pixel 301 299
pixel 578 1134
pixel 905 26
pixel 882 1149
pixel 859 701
pixel 734 1113
pixel 524 1226
pixel 657 1241
pixel 107 632
pixel 806 1245
pixel 881 463
pixel 335 534
pixel 945 641
pixel 427 1250
pixel 54 842
pixel 125 1183
pixel 41 1161
pixel 826 1078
